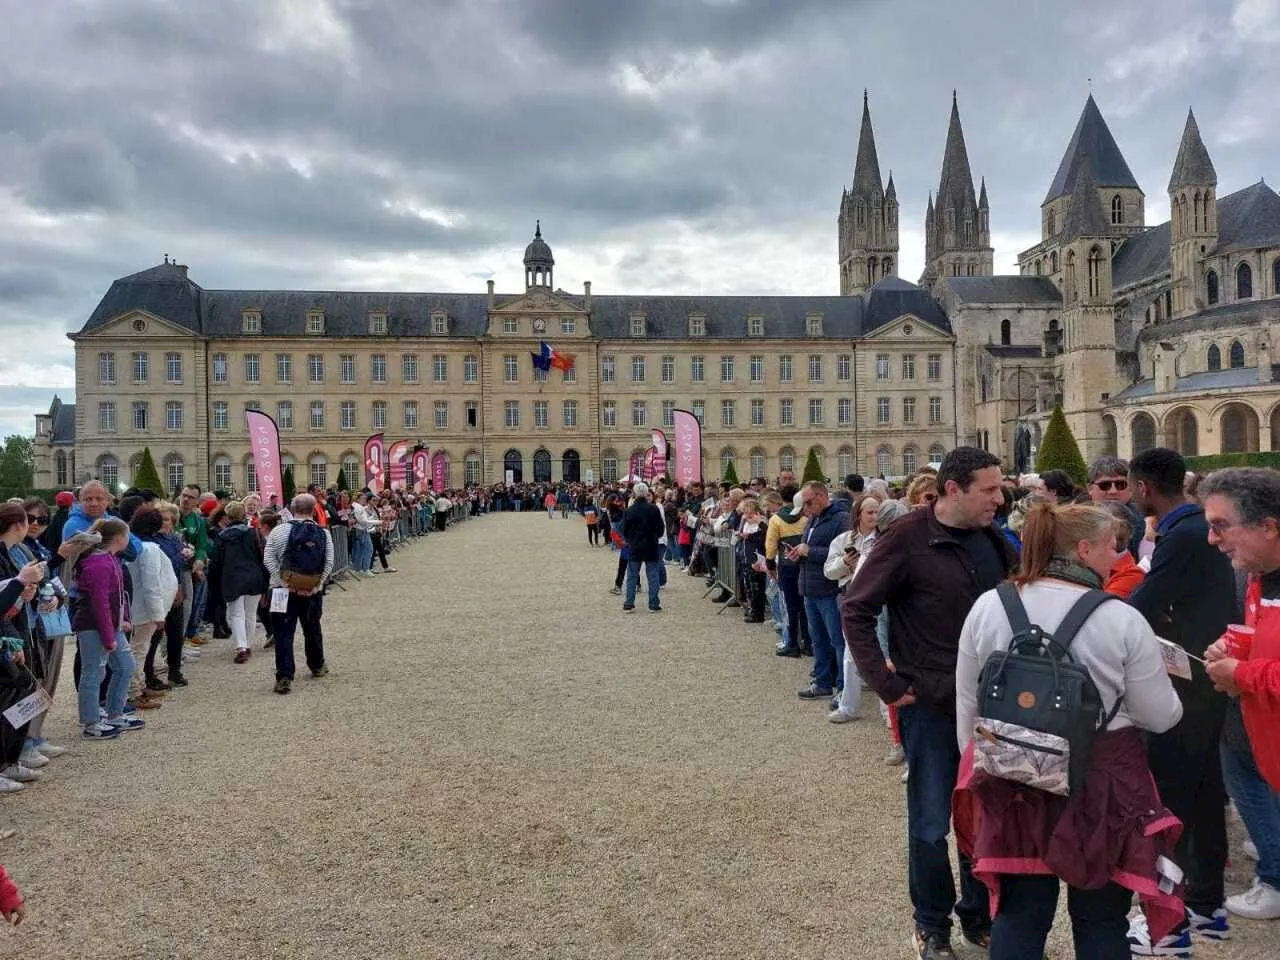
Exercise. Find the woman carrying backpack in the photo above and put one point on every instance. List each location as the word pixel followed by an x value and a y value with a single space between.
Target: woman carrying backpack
pixel 1105 839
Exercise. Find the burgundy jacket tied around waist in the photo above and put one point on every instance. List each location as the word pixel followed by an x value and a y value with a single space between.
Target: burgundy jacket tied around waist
pixel 1114 829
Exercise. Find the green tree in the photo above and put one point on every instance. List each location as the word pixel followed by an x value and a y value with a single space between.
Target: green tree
pixel 147 477
pixel 812 469
pixel 1059 451
pixel 731 474
pixel 286 482
pixel 341 482
pixel 17 466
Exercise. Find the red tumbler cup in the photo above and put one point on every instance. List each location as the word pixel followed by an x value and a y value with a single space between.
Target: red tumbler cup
pixel 1239 640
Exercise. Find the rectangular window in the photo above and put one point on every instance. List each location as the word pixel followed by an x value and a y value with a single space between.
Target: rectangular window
pixel 315 368
pixel 815 413
pixel 173 415
pixel 177 471
pixel 568 326
pixel 315 322
pixel 540 416
pixel 348 368
pixel 757 413
pixel 908 409
pixel 378 324
pixel 784 368
pixel 539 376
pixel 786 413
pixel 570 375
pixel 409 367
pixel 844 364
pixel 250 477
pixel 471 368
pixel 935 366
pixel 284 368
pixel 571 413
pixel 609 414
pixel 882 410
pixel 439 324
pixel 173 367
pixel 637 326
pixel 473 413
pixel 252 368
pixel 935 410
pixel 697 326
pixel 141 367
pixel 608 369
pixel 757 368
pixel 219 368
pixel 141 415
pixel 378 416
pixel 844 412
pixel 908 366
pixel 439 368
pixel 882 366
pixel 510 325
pixel 107 417
pixel 106 368
pixel 637 369
pixel 220 416
pixel 347 415
pixel 222 474
pixel 441 414
pixel 253 405
pixel 318 472
pixel 668 413
pixel 410 414
pixel 697 370
pixel 755 326
pixel 728 413
pixel 378 368
pixel 668 369
pixel 639 414
pixel 815 368
pixel 316 419
pixel 251 322
pixel 511 367
pixel 284 414
pixel 813 326
pixel 700 412
pixel 511 413
pixel 726 369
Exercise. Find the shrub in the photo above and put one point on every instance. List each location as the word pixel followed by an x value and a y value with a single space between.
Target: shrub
pixel 147 476
pixel 1216 461
pixel 286 483
pixel 1059 450
pixel 341 482
pixel 731 475
pixel 812 469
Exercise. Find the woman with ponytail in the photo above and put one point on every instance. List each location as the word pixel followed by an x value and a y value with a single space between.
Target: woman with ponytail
pixel 1105 839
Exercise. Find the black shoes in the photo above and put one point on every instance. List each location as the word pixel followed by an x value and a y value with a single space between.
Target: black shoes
pixel 321 671
pixel 932 946
pixel 155 683
pixel 177 679
pixel 787 650
pixel 283 686
pixel 814 692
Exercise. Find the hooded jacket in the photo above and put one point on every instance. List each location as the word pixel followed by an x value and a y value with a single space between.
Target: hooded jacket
pixel 154 585
pixel 237 562
pixel 100 579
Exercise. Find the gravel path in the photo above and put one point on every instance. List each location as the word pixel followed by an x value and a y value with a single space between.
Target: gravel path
pixel 501 764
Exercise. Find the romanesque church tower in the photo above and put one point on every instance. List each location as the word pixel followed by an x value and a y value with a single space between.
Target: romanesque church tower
pixel 868 221
pixel 957 225
pixel 1193 214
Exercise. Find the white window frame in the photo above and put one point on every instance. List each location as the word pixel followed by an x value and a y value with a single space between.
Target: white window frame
pixel 541 415
pixel 757 414
pixel 882 366
pixel 816 412
pixel 786 368
pixel 377 360
pixel 315 322
pixel 409 368
pixel 728 414
pixel 639 413
pixel 697 369
pixel 347 415
pixel 315 368
pixel 174 416
pixel 609 414
pixel 173 367
pixel 470 368
pixel 511 414
pixel 378 415
pixel 221 417
pixel 440 414
pixel 569 414
pixel 107 368
pixel 786 412
pixel 284 368
pixel 439 368
pixel 347 368
pixel 884 411
pixel 253 368
pixel 107 416
pixel 668 368
pixel 608 368
pixel 511 368
pixel 409 414
pixel 141 363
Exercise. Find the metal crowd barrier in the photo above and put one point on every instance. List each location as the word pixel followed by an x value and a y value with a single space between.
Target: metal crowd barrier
pixel 726 569
pixel 341 537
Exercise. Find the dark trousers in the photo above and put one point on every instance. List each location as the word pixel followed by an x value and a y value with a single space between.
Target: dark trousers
pixel 933 759
pixel 622 571
pixel 1099 919
pixel 379 546
pixel 1188 772
pixel 754 582
pixel 593 534
pixel 301 610
pixel 797 624
pixel 173 638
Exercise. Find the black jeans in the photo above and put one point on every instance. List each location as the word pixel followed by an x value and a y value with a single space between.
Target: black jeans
pixel 379 546
pixel 173 638
pixel 301 610
pixel 622 572
pixel 789 584
pixel 593 534
pixel 1099 919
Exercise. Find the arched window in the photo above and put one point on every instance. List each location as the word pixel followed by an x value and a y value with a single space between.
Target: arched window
pixel 1211 286
pixel 728 457
pixel 108 471
pixel 1053 262
pixel 1239 429
pixel 909 460
pixel 884 462
pixel 1117 209
pixel 175 472
pixel 786 459
pixel 1275 281
pixel 541 466
pixel 1039 268
pixel 1052 226
pixel 1095 273
pixel 757 462
pixel 984 388
pixel 251 475
pixel 1244 282
pixel 513 463
pixel 60 469
pixel 886 266
pixel 1195 209
pixel 570 466
pixel 222 473
pixel 1237 354
pixel 350 467
pixel 871 270
pixel 936 453
pixel 1143 429
pixel 1069 284
pixel 318 470
pixel 1006 332
pixel 1110 438
pixel 472 469
pixel 844 462
pixel 1053 339
pixel 1213 360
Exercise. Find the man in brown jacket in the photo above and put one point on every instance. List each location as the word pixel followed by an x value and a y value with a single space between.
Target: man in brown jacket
pixel 929 568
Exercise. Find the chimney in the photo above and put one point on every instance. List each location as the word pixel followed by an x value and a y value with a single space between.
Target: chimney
pixel 586 294
pixel 1163 362
pixel 489 300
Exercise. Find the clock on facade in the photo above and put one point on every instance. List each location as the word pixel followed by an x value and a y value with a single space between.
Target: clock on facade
pixel 539 325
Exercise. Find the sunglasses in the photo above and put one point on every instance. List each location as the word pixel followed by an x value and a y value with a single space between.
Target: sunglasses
pixel 40 519
pixel 1107 485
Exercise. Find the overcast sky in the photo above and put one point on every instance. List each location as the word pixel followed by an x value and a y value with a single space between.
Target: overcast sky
pixel 669 146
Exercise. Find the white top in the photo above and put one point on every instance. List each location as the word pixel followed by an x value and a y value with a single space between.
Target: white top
pixel 1116 645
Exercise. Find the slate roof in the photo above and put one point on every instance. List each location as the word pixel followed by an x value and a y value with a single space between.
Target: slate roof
pixel 1092 137
pixel 1084 214
pixel 1006 289
pixel 1193 167
pixel 64 424
pixel 346 313
pixel 1014 352
pixel 955 187
pixel 538 253
pixel 1195 382
pixel 866 169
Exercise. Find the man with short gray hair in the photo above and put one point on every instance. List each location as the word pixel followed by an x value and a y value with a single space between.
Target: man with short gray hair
pixel 1109 481
pixel 299 557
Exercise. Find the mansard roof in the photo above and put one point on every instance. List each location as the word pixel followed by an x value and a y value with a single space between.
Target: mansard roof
pixel 63 429
pixel 1193 166
pixel 1092 137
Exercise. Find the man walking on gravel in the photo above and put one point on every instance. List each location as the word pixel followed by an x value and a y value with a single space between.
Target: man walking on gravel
pixel 299 557
pixel 642 528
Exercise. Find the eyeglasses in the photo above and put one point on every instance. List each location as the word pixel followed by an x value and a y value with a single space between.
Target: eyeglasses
pixel 1107 485
pixel 35 519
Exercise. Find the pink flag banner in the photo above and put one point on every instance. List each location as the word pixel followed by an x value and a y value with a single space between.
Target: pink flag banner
pixel 659 440
pixel 646 466
pixel 264 441
pixel 688 448
pixel 421 471
pixel 439 471
pixel 375 458
pixel 396 457
pixel 633 468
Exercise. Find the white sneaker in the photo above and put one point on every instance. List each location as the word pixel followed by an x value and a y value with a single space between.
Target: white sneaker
pixel 52 751
pixel 839 716
pixel 1250 849
pixel 10 786
pixel 33 758
pixel 906 775
pixel 1259 902
pixel 16 771
pixel 895 757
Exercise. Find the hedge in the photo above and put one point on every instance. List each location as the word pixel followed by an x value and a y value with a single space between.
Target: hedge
pixel 1217 461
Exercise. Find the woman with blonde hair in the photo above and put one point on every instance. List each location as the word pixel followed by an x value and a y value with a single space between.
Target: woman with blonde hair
pixel 922 492
pixel 1106 838
pixel 236 566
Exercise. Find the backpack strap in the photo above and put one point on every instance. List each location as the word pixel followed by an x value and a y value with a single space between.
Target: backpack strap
pixel 1007 591
pixel 1080 611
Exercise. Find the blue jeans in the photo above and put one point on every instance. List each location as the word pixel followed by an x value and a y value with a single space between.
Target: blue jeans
pixel 200 589
pixel 1099 919
pixel 652 573
pixel 1259 808
pixel 827 636
pixel 933 759
pixel 362 551
pixel 93 665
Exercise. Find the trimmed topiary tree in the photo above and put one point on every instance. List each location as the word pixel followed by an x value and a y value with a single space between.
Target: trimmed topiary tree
pixel 286 483
pixel 731 474
pixel 812 469
pixel 147 476
pixel 1059 450
pixel 341 482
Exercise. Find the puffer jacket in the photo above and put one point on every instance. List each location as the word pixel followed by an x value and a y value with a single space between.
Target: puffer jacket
pixel 822 529
pixel 154 585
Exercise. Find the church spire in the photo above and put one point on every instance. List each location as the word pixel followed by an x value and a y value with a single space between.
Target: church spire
pixel 1092 137
pixel 866 169
pixel 1193 168
pixel 1084 215
pixel 955 187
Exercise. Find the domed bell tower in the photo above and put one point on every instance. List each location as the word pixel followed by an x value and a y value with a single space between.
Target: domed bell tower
pixel 538 262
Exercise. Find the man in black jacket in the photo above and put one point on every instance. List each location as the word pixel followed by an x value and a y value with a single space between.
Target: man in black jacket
pixel 642 529
pixel 1189 598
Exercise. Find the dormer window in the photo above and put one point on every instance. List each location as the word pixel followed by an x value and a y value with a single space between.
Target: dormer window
pixel 439 323
pixel 813 325
pixel 697 326
pixel 251 321
pixel 315 322
pixel 755 326
pixel 378 323
pixel 637 325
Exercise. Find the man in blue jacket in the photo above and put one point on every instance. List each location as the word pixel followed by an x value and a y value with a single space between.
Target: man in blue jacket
pixel 827 520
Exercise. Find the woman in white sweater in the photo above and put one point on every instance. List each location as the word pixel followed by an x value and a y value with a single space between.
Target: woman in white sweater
pixel 843 557
pixel 1023 839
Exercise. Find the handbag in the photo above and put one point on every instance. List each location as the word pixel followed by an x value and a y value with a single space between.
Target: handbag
pixel 57 623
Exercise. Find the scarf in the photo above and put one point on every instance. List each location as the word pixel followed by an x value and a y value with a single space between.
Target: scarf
pixel 1060 568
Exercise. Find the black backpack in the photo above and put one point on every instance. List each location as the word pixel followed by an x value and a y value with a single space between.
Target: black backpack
pixel 1039 711
pixel 305 554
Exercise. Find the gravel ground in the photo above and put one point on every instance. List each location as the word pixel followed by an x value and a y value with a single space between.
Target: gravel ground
pixel 501 764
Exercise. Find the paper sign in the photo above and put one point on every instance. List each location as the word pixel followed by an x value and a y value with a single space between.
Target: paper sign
pixel 279 600
pixel 1177 662
pixel 28 708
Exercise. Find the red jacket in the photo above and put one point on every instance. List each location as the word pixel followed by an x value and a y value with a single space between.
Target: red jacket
pixel 1125 576
pixel 1259 681
pixel 10 898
